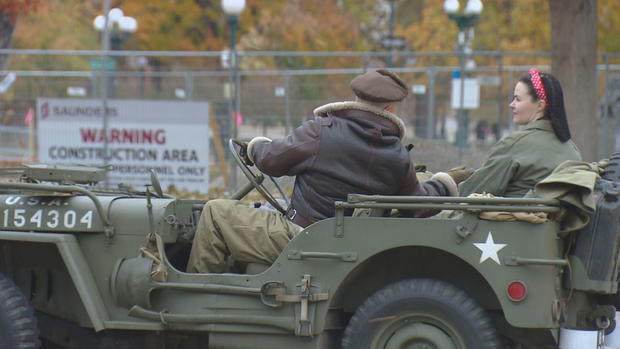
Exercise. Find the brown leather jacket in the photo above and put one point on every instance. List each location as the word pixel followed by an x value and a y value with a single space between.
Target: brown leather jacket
pixel 342 151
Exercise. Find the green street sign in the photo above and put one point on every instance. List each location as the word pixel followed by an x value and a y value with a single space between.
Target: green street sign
pixel 102 63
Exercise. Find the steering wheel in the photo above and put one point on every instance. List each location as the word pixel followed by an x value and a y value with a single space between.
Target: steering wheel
pixel 255 178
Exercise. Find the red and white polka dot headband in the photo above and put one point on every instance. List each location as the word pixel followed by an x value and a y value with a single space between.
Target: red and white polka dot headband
pixel 538 85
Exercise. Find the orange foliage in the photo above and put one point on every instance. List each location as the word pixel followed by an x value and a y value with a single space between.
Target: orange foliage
pixel 309 25
pixel 13 8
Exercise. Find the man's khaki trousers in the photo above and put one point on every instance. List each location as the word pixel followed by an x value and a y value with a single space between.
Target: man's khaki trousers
pixel 230 228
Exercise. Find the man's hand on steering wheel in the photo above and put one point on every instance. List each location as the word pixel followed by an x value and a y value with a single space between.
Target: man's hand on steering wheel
pixel 243 152
pixel 240 156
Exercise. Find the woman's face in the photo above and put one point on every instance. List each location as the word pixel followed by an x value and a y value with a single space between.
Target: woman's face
pixel 524 108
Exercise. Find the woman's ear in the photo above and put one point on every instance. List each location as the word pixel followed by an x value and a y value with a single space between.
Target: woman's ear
pixel 542 105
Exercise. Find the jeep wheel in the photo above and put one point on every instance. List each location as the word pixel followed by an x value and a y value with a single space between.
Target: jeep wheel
pixel 18 326
pixel 420 313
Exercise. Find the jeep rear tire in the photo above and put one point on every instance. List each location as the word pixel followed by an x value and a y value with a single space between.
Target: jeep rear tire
pixel 420 313
pixel 18 326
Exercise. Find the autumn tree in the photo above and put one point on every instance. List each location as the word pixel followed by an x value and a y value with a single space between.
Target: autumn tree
pixel 503 26
pixel 608 25
pixel 305 25
pixel 184 25
pixel 57 25
pixel 9 11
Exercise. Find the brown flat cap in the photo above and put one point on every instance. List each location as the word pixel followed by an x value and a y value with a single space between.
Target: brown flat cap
pixel 379 86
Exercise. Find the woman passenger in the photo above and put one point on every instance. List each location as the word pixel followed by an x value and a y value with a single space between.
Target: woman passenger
pixel 523 158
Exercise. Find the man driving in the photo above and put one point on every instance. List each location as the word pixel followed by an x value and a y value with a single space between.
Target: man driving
pixel 349 147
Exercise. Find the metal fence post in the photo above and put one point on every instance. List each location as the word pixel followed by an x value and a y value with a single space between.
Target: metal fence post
pixel 189 85
pixel 497 131
pixel 105 85
pixel 430 117
pixel 287 93
pixel 511 82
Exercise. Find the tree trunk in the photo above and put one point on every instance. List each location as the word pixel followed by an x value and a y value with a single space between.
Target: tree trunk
pixel 6 34
pixel 573 62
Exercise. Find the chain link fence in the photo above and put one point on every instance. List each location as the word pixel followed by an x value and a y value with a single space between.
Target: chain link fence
pixel 273 101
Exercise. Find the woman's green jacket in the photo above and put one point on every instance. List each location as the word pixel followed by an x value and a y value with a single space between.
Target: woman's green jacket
pixel 519 161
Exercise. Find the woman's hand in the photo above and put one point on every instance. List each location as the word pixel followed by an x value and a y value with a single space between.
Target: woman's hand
pixel 460 173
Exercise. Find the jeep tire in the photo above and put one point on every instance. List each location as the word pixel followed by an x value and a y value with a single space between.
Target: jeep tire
pixel 421 313
pixel 18 325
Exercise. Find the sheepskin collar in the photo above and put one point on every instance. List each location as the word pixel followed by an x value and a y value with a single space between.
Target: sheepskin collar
pixel 332 107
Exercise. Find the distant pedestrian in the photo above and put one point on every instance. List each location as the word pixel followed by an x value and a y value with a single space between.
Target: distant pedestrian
pixel 497 131
pixel 481 131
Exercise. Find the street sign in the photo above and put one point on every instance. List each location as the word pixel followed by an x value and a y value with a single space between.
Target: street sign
pixel 170 136
pixel 99 63
pixel 471 93
pixel 8 80
pixel 279 91
pixel 396 42
pixel 76 91
pixel 418 89
pixel 227 90
pixel 225 59
pixel 180 93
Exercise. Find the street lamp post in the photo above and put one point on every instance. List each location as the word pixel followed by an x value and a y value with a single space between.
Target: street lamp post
pixel 465 20
pixel 391 31
pixel 115 29
pixel 109 25
pixel 233 9
pixel 392 42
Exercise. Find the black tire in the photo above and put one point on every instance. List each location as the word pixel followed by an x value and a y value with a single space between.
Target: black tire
pixel 420 313
pixel 18 325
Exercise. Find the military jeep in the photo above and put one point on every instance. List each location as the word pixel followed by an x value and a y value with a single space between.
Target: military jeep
pixel 71 274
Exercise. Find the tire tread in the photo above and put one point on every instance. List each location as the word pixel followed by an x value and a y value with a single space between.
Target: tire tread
pixel 22 324
pixel 433 290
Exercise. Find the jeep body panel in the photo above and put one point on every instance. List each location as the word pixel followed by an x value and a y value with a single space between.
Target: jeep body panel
pixel 87 254
pixel 92 253
pixel 76 256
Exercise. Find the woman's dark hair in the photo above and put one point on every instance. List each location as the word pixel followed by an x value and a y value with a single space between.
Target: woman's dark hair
pixel 555 107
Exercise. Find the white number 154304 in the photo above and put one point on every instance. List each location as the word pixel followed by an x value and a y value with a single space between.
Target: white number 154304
pixel 19 217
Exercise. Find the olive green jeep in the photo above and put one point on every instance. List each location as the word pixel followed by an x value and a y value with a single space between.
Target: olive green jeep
pixel 85 267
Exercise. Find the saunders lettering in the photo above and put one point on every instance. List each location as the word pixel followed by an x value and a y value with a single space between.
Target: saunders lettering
pixel 83 111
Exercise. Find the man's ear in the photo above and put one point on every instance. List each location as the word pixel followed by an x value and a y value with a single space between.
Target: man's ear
pixel 389 107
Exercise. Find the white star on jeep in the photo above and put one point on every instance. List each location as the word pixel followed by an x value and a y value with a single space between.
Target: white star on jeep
pixel 489 249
